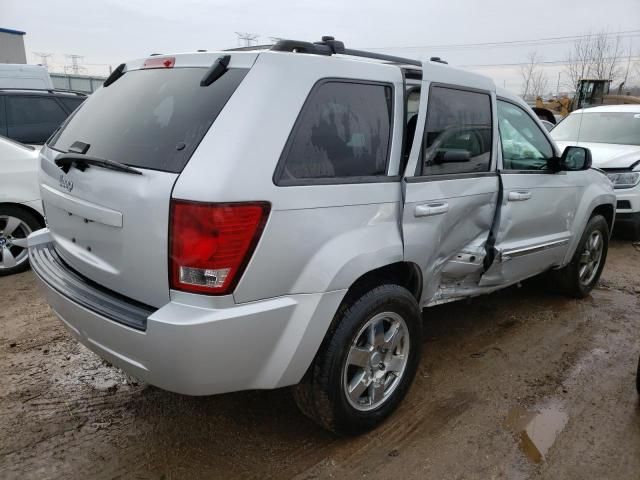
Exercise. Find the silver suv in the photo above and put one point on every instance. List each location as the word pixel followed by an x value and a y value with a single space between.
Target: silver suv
pixel 258 219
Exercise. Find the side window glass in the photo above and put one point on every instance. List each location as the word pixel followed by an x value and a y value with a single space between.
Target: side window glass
pixel 458 132
pixel 3 118
pixel 33 119
pixel 524 146
pixel 412 107
pixel 72 103
pixel 343 131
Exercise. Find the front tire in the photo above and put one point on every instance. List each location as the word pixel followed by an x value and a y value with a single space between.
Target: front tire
pixel 366 364
pixel 578 278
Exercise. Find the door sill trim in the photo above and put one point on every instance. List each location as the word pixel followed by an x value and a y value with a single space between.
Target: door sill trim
pixel 519 252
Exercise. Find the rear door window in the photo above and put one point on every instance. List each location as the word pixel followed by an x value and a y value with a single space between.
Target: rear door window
pixel 458 132
pixel 32 119
pixel 151 118
pixel 343 132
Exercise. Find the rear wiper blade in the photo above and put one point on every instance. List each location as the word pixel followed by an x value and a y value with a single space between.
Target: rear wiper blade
pixel 82 162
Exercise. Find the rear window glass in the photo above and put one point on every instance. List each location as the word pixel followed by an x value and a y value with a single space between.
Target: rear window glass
pixel 343 131
pixel 150 118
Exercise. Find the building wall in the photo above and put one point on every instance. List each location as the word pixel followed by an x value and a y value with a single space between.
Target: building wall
pixel 12 48
pixel 77 83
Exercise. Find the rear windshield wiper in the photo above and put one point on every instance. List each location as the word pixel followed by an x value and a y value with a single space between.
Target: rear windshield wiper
pixel 82 162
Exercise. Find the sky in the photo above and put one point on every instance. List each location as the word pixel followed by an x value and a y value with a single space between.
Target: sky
pixel 107 32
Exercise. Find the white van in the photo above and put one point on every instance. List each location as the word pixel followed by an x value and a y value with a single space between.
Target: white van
pixel 25 76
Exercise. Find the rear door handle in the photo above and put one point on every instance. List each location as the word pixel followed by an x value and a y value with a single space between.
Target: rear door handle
pixel 520 196
pixel 431 209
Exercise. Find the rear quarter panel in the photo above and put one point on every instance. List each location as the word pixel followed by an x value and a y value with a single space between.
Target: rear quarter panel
pixel 318 237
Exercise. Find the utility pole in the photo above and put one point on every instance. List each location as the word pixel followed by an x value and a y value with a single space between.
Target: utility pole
pixel 558 85
pixel 247 38
pixel 75 66
pixel 43 58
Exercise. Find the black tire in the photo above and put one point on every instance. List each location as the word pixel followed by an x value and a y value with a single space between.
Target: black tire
pixel 32 222
pixel 567 279
pixel 322 394
pixel 638 377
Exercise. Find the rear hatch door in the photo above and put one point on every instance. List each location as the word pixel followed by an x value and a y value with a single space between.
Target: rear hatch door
pixel 112 226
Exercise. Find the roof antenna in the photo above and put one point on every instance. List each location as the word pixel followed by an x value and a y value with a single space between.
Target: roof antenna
pixel 438 60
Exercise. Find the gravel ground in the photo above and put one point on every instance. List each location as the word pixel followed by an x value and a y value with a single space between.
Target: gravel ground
pixel 519 384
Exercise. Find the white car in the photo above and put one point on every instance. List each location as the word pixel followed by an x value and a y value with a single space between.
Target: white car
pixel 20 207
pixel 612 133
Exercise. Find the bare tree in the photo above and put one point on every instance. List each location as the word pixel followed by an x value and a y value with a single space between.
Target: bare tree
pixel 534 81
pixel 539 83
pixel 579 60
pixel 596 55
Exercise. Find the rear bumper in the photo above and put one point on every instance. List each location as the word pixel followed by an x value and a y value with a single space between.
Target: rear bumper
pixel 194 350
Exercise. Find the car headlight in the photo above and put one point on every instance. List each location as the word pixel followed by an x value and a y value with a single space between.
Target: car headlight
pixel 624 179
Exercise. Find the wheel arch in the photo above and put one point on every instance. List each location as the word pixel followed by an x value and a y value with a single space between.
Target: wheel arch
pixel 607 211
pixel 25 208
pixel 405 274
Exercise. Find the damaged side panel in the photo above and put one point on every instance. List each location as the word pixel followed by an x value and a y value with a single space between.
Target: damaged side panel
pixel 537 214
pixel 448 242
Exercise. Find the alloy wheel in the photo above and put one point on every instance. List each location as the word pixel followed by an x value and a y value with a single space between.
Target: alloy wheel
pixel 590 258
pixel 13 242
pixel 376 361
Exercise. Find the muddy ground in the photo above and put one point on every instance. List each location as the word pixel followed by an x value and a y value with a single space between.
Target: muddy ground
pixel 518 384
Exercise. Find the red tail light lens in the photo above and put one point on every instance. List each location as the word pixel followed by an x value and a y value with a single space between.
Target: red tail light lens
pixel 159 62
pixel 210 244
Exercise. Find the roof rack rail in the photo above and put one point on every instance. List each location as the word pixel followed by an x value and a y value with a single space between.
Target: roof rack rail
pixel 48 90
pixel 330 46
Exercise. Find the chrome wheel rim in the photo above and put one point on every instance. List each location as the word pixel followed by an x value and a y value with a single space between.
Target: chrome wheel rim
pixel 13 242
pixel 590 258
pixel 376 361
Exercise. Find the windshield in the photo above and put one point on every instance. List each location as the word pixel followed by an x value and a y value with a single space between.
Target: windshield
pixel 600 127
pixel 151 118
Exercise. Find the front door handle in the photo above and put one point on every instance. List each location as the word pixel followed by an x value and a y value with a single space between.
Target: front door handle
pixel 431 209
pixel 519 196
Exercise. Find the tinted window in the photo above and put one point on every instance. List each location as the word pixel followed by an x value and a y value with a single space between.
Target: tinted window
pixel 458 132
pixel 343 131
pixel 71 103
pixel 600 127
pixel 33 119
pixel 3 118
pixel 150 118
pixel 524 146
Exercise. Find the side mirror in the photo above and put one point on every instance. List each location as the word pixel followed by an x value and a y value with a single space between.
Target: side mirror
pixel 452 156
pixel 575 159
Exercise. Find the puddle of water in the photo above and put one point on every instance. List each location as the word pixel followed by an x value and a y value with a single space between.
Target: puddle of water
pixel 537 429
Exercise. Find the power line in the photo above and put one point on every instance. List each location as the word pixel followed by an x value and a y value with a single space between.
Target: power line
pixel 548 62
pixel 529 42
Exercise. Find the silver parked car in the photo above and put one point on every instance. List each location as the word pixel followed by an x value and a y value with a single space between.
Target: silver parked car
pixel 259 219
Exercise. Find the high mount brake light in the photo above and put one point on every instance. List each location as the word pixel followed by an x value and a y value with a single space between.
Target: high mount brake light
pixel 210 244
pixel 159 62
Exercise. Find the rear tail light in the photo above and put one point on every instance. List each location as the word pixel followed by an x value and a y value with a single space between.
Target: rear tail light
pixel 210 244
pixel 159 62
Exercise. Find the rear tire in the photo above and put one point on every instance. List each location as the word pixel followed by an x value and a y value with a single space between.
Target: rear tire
pixel 15 226
pixel 365 364
pixel 578 278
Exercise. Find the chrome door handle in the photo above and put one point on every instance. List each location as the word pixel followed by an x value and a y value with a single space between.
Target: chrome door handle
pixel 520 196
pixel 431 209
